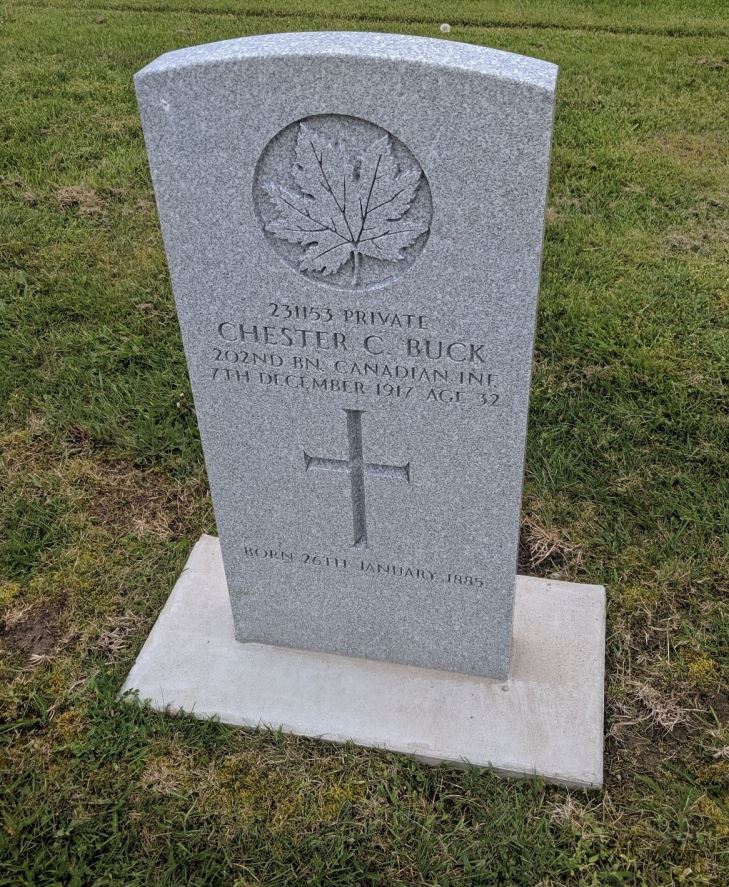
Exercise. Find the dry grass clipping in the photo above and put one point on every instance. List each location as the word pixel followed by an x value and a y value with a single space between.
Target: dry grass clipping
pixel 80 197
pixel 542 545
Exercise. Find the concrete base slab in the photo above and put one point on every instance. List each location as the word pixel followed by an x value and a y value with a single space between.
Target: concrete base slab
pixel 546 719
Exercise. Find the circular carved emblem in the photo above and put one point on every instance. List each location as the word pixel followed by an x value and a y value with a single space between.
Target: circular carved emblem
pixel 342 201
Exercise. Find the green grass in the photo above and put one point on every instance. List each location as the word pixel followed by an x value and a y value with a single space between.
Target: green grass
pixel 104 491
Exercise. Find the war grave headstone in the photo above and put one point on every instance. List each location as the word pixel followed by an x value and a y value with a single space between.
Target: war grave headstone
pixel 353 225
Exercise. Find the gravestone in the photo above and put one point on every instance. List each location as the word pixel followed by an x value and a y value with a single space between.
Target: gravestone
pixel 353 225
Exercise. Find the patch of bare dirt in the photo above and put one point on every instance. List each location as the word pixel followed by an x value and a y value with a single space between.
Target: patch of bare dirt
pixel 718 702
pixel 32 630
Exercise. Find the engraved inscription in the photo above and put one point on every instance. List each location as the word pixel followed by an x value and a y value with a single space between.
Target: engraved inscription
pixel 361 565
pixel 357 468
pixel 318 349
pixel 343 201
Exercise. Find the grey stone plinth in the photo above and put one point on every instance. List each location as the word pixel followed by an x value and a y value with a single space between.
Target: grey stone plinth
pixel 546 719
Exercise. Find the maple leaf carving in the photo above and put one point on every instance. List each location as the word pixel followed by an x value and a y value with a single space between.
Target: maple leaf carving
pixel 348 204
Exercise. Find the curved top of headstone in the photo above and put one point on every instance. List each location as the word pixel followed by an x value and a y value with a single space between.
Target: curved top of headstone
pixel 352 44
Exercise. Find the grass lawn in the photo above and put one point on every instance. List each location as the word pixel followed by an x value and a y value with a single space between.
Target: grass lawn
pixel 103 487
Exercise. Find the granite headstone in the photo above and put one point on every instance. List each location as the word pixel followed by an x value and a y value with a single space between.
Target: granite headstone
pixel 353 224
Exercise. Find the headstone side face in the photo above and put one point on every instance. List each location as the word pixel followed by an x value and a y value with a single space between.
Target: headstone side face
pixel 353 224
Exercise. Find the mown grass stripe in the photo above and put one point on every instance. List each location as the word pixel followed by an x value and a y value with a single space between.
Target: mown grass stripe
pixel 387 17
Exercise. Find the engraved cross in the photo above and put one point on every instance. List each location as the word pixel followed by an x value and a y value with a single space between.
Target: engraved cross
pixel 358 469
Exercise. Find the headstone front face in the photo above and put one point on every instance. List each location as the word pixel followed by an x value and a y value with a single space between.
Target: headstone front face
pixel 353 224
